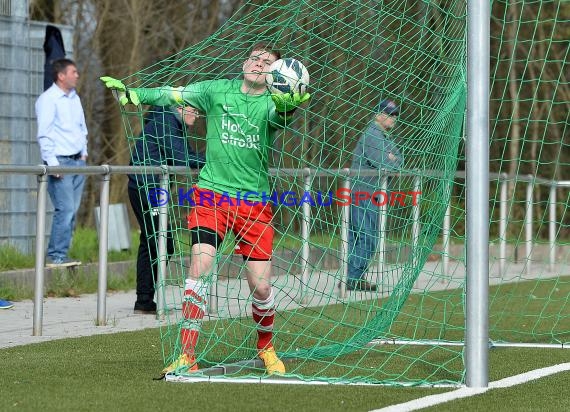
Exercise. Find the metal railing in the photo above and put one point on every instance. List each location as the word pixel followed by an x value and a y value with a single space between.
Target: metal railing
pixel 503 180
pixel 105 171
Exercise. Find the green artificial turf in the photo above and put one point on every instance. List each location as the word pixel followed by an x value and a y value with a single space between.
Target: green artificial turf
pixel 115 372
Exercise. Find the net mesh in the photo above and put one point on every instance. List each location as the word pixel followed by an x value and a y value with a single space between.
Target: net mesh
pixel 410 331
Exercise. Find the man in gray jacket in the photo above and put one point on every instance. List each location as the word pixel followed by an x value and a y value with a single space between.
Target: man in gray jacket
pixel 375 150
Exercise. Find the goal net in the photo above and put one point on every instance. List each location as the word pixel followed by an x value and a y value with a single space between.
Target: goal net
pixel 410 331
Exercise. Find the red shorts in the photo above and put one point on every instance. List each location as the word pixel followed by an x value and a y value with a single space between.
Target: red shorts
pixel 251 224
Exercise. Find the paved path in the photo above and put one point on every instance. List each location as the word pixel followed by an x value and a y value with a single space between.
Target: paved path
pixel 75 317
pixel 70 317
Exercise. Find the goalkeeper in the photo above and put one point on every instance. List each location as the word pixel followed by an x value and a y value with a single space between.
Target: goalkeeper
pixel 241 119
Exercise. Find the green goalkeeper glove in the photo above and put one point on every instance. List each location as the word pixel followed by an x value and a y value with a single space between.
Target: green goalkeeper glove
pixel 287 102
pixel 120 91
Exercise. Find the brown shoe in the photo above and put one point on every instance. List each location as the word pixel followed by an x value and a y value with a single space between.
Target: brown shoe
pixel 360 284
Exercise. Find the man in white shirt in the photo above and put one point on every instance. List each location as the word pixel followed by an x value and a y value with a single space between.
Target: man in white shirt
pixel 62 136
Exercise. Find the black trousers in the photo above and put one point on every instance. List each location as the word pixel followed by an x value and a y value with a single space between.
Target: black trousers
pixel 147 258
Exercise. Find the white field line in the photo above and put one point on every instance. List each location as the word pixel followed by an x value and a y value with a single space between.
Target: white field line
pixel 433 400
pixel 530 376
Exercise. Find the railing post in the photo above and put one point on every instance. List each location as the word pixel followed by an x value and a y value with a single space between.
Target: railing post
pixel 345 216
pixel 162 246
pixel 305 233
pixel 103 248
pixel 382 216
pixel 503 182
pixel 416 220
pixel 213 300
pixel 446 238
pixel 40 255
pixel 552 225
pixel 528 223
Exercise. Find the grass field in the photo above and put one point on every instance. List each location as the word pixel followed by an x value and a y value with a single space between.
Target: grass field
pixel 115 372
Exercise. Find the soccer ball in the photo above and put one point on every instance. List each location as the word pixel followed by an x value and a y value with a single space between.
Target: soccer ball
pixel 287 76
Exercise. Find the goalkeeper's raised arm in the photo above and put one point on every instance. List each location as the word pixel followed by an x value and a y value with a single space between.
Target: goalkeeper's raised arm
pixel 159 96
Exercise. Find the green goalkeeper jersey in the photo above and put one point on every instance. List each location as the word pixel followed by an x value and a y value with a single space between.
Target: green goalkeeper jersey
pixel 240 133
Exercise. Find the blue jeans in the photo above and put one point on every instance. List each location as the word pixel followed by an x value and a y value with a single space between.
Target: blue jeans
pixel 363 237
pixel 65 194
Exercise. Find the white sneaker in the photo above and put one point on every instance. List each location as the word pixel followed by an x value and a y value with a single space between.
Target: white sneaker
pixel 61 262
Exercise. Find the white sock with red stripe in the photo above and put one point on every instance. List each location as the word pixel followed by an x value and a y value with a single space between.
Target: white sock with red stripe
pixel 193 309
pixel 264 315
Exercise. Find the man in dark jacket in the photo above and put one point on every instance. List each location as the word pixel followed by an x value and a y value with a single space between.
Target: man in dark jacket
pixel 374 150
pixel 162 142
